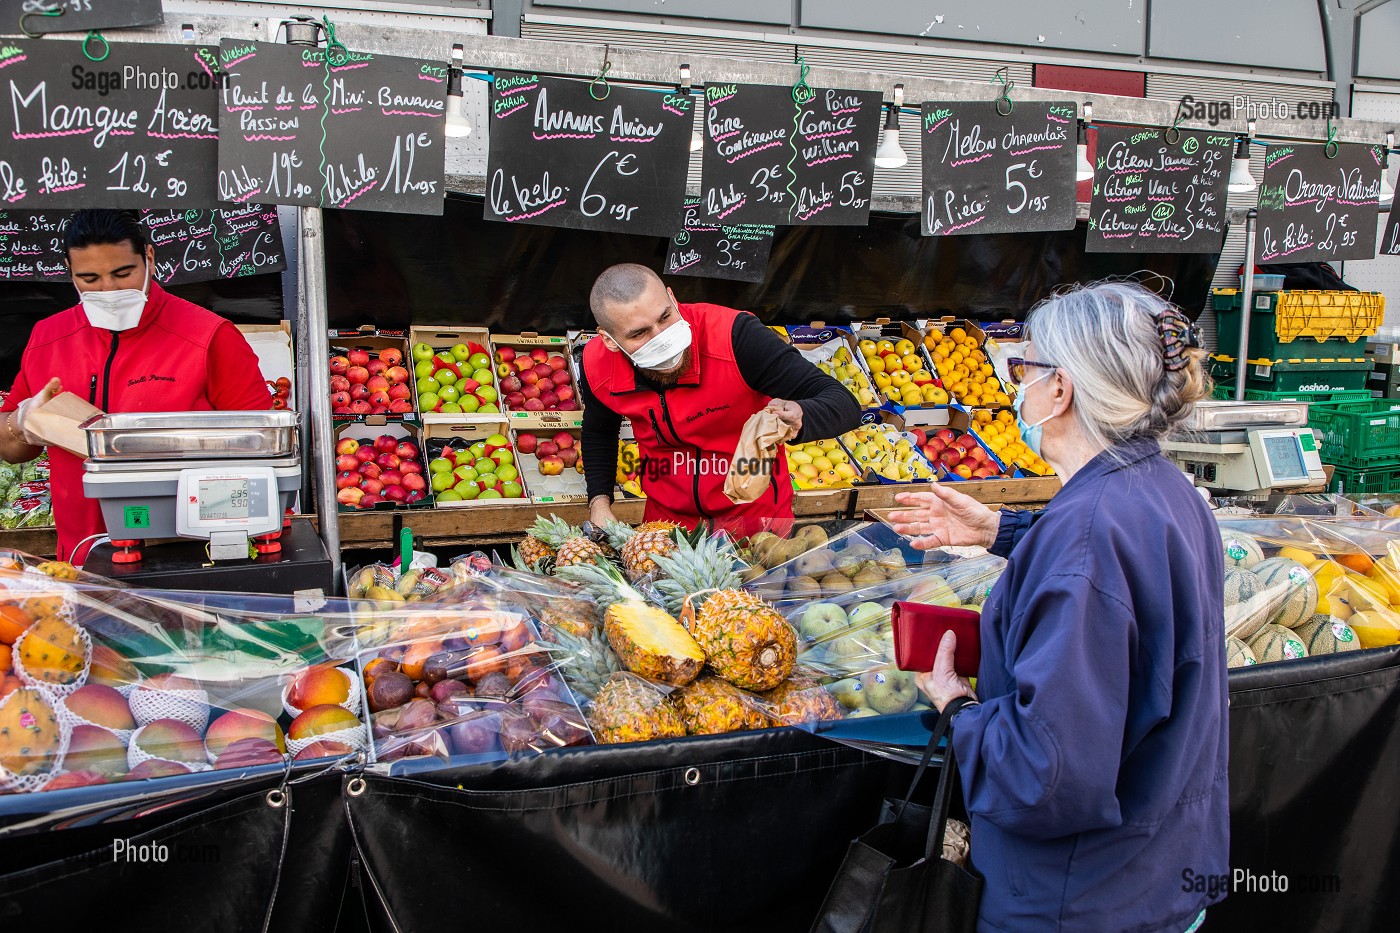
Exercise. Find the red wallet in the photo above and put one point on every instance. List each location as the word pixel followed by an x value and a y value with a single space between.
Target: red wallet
pixel 919 627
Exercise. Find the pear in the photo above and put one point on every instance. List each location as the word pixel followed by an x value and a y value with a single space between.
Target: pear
pixel 815 564
pixel 893 559
pixel 835 584
pixel 803 588
pixel 867 577
pixel 815 535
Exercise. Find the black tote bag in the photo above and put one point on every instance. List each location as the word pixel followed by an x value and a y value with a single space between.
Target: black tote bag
pixel 894 878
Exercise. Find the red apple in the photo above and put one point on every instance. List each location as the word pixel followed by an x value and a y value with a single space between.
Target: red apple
pixel 391 478
pixel 350 495
pixel 385 443
pixel 340 399
pixel 400 390
pixel 505 354
pixel 347 479
pixel 361 407
pixel 539 354
pixel 934 447
pixel 346 462
pixel 415 495
pixel 950 458
pixel 414 481
pixel 549 400
pixel 358 357
pixel 546 449
pixel 370 500
pixel 395 493
pixel 339 365
pixel 377 383
pixel 569 456
pixel 377 367
pixel 371 469
pixel 946 435
pixel 977 455
pixel 523 363
pixel 511 384
pixel 563 439
pixel 529 377
pixel 515 400
pixel 543 371
pixel 396 374
pixel 525 443
pixel 565 393
pixel 533 404
pixel 569 405
pixel 371 485
pixel 357 374
pixel 388 461
pixel 560 378
pixel 966 442
pixel 340 384
pixel 409 467
pixel 920 437
pixel 557 362
pixel 531 391
pixel 407 450
pixel 359 391
pixel 963 470
pixel 380 400
pixel 401 406
pixel 342 410
pixel 551 465
pixel 391 356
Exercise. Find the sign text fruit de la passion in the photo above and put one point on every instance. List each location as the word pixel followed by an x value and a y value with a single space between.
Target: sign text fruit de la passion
pixel 1316 209
pixel 775 157
pixel 561 157
pixel 988 172
pixel 135 130
pixel 1156 196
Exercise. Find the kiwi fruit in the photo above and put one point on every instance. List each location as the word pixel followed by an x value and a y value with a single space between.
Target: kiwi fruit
pixel 836 583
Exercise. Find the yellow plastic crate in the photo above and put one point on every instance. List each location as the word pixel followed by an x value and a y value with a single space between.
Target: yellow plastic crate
pixel 1327 315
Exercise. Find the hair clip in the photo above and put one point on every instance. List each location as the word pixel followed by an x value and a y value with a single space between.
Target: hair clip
pixel 1178 335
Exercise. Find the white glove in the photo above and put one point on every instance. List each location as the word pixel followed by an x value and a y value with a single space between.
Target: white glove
pixel 27 406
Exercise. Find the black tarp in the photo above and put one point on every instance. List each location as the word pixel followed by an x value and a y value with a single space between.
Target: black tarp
pixel 739 832
pixel 395 270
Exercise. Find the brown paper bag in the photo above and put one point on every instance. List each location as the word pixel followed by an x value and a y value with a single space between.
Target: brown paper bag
pixel 751 470
pixel 58 422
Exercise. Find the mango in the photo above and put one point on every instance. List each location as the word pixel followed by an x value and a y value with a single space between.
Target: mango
pixel 101 705
pixel 239 724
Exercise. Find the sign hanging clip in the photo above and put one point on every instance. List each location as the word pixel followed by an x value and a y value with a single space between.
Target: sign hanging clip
pixel 1003 75
pixel 1173 134
pixel 24 16
pixel 105 46
pixel 802 91
pixel 602 79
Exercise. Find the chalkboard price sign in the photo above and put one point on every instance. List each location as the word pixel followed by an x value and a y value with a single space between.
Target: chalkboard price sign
pixel 1390 242
pixel 718 251
pixel 357 131
pixel 770 159
pixel 191 245
pixel 1316 209
pixel 1158 197
pixel 989 173
pixel 136 130
pixel 78 15
pixel 560 158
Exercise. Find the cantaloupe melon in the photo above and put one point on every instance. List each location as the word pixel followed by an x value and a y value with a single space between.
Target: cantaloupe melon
pixel 1291 590
pixel 1276 643
pixel 1237 653
pixel 1240 549
pixel 1323 634
pixel 1245 604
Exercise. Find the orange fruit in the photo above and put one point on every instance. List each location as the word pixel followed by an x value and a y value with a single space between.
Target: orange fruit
pixel 958 334
pixel 13 622
pixel 1361 563
pixel 6 659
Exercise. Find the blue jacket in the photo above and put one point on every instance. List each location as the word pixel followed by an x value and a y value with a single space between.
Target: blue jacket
pixel 1094 768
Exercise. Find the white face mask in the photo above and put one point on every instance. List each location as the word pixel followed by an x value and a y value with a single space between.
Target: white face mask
pixel 664 351
pixel 116 310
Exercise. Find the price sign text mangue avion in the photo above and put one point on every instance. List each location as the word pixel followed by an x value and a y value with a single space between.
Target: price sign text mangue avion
pixel 561 158
pixel 771 159
pixel 1316 209
pixel 1159 197
pixel 718 251
pixel 349 130
pixel 136 130
pixel 985 172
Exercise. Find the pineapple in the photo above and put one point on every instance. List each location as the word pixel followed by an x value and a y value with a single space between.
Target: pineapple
pixel 647 640
pixel 574 616
pixel 587 661
pixel 640 548
pixel 709 706
pixel 628 709
pixel 569 543
pixel 535 553
pixel 745 640
pixel 800 700
pixel 29 733
pixel 699 562
pixel 53 651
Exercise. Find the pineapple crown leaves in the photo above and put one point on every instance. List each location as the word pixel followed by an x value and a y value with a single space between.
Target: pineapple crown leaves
pixel 704 564
pixel 603 581
pixel 554 531
pixel 518 562
pixel 618 533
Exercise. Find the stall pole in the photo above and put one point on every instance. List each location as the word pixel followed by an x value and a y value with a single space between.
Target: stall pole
pixel 312 323
pixel 1246 297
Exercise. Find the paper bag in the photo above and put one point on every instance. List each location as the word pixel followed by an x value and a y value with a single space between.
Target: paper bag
pixel 751 470
pixel 58 422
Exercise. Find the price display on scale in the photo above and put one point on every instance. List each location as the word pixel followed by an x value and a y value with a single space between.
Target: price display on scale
pixel 243 499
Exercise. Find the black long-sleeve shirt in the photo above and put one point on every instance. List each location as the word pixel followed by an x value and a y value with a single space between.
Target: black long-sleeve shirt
pixel 767 364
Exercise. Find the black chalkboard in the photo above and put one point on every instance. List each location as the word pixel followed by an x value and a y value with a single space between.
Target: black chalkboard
pixel 560 158
pixel 360 131
pixel 1316 209
pixel 989 173
pixel 1153 196
pixel 769 159
pixel 136 130
pixel 718 251
pixel 191 245
pixel 78 15
pixel 1390 241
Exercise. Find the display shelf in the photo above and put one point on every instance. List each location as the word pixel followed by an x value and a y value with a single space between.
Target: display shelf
pixel 1029 491
pixel 41 542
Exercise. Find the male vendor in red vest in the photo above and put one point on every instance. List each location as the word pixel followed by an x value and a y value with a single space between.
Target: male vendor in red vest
pixel 688 376
pixel 128 345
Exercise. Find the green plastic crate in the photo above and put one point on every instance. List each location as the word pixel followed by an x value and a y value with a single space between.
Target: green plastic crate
pixel 1226 391
pixel 1296 377
pixel 1279 325
pixel 1359 434
pixel 1372 481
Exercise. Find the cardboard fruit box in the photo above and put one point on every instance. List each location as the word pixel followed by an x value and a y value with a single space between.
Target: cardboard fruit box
pixel 935 395
pixel 454 442
pixel 936 331
pixel 820 344
pixel 558 450
pixel 453 348
pixel 386 461
pixel 374 352
pixel 532 395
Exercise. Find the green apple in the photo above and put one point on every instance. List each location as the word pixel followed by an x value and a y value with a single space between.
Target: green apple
pixel 469 403
pixel 889 691
pixel 850 647
pixel 827 616
pixel 488 409
pixel 421 351
pixel 477 450
pixel 445 376
pixel 503 456
pixel 447 495
pixel 478 361
pixel 507 473
pixel 465 474
pixel 865 615
pixel 512 490
pixel 450 408
pixel 442 482
pixel 484 376
pixel 850 692
pixel 490 494
pixel 439 465
pixel 488 480
pixel 429 384
pixel 423 369
pixel 449 393
pixel 428 401
pixel 487 394
pixel 467 490
pixel 460 352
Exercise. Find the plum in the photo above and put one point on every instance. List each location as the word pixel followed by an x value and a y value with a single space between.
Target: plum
pixel 518 731
pixel 444 689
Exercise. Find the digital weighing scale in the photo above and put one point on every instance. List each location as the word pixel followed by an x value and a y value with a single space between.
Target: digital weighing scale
pixel 222 480
pixel 1248 448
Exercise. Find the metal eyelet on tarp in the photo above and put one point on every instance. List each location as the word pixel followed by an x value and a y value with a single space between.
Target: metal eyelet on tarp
pixel 276 798
pixel 356 787
pixel 692 776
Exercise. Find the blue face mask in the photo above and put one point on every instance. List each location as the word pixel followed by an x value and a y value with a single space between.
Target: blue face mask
pixel 1030 433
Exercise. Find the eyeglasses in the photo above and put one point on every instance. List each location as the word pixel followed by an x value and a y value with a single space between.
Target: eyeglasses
pixel 1017 368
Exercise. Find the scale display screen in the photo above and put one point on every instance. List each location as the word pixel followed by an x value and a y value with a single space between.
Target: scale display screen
pixel 1285 457
pixel 223 499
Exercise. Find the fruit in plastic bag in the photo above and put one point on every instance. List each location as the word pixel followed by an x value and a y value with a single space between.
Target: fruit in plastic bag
pixel 156 768
pixel 1324 634
pixel 54 651
pixel 71 779
pixel 1276 643
pixel 1237 653
pixel 710 706
pixel 320 720
pixel 246 753
pixel 101 705
pixel 1376 628
pixel 478 734
pixel 172 740
pixel 390 689
pixel 91 748
pixel 319 685
pixel 109 667
pixel 889 691
pixel 1241 550
pixel 628 709
pixel 29 732
pixel 323 748
pixel 800 700
pixel 745 640
pixel 1291 588
pixel 240 724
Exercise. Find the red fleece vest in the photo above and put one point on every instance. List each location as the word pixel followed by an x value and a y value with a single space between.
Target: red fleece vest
pixel 688 432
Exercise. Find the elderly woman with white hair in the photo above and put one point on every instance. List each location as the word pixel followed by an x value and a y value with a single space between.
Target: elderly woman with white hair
pixel 1094 765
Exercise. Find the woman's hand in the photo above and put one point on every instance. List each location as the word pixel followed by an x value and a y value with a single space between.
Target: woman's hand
pixel 942 685
pixel 945 517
